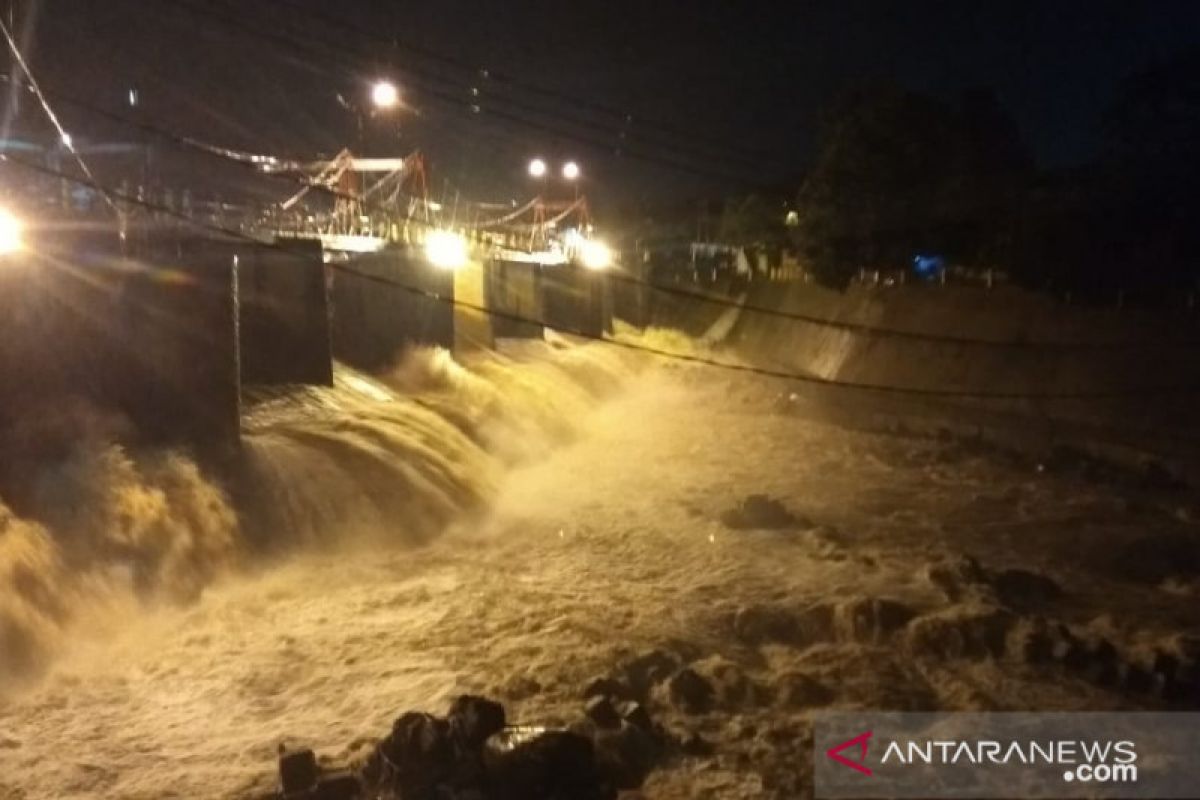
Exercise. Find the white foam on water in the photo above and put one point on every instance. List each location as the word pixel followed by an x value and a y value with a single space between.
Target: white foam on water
pixel 104 530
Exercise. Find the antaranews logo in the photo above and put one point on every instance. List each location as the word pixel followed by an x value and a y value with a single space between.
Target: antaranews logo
pixel 1095 760
pixel 976 755
pixel 860 742
pixel 1086 760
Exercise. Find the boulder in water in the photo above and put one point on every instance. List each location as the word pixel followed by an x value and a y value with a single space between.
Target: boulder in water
pixel 760 512
pixel 690 692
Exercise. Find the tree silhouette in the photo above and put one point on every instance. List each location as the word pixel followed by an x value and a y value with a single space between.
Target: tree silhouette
pixel 900 173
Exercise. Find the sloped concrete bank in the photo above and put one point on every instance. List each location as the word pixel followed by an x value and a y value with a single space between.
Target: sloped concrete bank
pixel 1119 384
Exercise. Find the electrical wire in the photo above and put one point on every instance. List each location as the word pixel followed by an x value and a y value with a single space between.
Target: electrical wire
pixel 673 136
pixel 247 161
pixel 63 136
pixel 707 167
pixel 634 346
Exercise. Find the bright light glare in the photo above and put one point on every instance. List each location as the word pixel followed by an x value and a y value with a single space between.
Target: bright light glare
pixel 570 171
pixel 595 255
pixel 385 95
pixel 446 249
pixel 66 140
pixel 537 168
pixel 10 233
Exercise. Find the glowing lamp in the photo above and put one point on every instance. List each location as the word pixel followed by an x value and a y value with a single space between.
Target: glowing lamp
pixel 384 94
pixel 10 233
pixel 595 255
pixel 537 168
pixel 446 249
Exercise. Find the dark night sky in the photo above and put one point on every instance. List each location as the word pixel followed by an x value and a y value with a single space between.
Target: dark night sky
pixel 752 74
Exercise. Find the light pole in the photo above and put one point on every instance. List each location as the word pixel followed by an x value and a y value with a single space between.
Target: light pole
pixel 571 174
pixel 385 95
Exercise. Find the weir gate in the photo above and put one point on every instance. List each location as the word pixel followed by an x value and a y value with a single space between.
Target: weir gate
pixel 165 328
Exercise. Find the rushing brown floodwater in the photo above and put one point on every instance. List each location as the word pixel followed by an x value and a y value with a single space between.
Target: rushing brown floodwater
pixel 591 552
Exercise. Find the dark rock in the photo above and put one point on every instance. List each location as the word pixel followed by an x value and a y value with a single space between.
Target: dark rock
pixel 813 625
pixel 1176 670
pixel 955 576
pixel 758 511
pixel 1103 663
pixel 733 688
pixel 341 785
pixel 475 719
pixel 798 690
pixel 600 710
pixel 648 670
pixel 298 771
pixel 1104 652
pixel 1031 641
pixel 607 687
pixel 762 624
pixel 417 755
pixel 874 619
pixel 693 744
pixel 973 632
pixel 1133 678
pixel 634 713
pixel 1165 665
pixel 758 624
pixel 1023 590
pixel 1068 649
pixel 627 756
pixel 555 765
pixel 689 692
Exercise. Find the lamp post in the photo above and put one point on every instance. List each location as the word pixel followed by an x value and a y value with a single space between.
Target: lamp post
pixel 382 97
pixel 571 174
pixel 538 169
pixel 385 95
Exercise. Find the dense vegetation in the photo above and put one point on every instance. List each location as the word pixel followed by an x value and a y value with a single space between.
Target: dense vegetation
pixel 899 173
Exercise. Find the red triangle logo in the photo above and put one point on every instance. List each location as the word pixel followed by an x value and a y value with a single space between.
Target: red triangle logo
pixel 860 741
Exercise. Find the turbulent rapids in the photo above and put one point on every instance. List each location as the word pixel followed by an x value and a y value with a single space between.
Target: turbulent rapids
pixel 94 531
pixel 733 553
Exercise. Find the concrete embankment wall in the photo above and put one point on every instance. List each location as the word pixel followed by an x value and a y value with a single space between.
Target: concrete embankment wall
pixel 164 328
pixel 150 335
pixel 1145 374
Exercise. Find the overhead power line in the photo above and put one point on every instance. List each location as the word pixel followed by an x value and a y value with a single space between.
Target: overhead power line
pixel 213 151
pixel 583 133
pixel 63 136
pixel 664 133
pixel 634 346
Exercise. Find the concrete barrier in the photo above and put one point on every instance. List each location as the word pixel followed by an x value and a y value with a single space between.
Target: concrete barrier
pixel 635 299
pixel 1140 377
pixel 473 326
pixel 151 335
pixel 514 291
pixel 375 321
pixel 283 315
pixel 576 299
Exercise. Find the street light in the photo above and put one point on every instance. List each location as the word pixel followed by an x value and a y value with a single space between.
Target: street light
pixel 595 255
pixel 537 168
pixel 10 234
pixel 570 171
pixel 446 249
pixel 385 95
